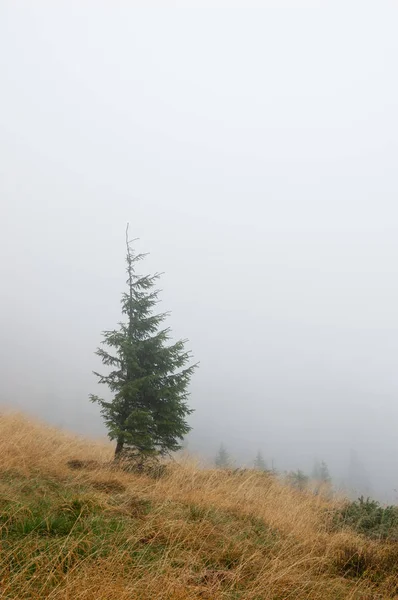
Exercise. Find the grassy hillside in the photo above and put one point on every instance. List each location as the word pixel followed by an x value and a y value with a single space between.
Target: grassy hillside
pixel 96 533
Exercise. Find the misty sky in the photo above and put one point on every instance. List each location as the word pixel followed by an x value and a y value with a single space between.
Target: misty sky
pixel 254 152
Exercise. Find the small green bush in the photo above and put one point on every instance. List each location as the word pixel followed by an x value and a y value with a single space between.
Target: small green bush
pixel 369 518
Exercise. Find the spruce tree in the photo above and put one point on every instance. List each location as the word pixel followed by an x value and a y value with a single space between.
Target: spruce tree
pixel 324 475
pixel 222 460
pixel 148 376
pixel 322 479
pixel 320 472
pixel 298 479
pixel 259 462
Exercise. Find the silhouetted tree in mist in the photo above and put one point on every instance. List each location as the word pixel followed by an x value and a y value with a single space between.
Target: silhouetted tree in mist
pixel 259 462
pixel 321 478
pixel 320 472
pixel 222 460
pixel 298 479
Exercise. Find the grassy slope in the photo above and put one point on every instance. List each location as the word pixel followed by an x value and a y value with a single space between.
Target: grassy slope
pixel 103 534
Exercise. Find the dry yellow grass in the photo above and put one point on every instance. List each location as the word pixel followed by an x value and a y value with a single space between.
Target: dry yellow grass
pixel 98 533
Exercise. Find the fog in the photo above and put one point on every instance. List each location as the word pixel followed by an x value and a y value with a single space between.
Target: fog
pixel 254 152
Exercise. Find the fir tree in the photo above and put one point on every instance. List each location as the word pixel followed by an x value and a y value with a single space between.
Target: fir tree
pixel 321 473
pixel 321 477
pixel 324 475
pixel 259 462
pixel 148 377
pixel 222 460
pixel 298 479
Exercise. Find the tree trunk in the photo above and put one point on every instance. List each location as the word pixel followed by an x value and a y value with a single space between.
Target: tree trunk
pixel 119 448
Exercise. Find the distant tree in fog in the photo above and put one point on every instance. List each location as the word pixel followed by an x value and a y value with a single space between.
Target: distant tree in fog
pixel 222 460
pixel 149 378
pixel 298 479
pixel 259 462
pixel 320 473
pixel 322 479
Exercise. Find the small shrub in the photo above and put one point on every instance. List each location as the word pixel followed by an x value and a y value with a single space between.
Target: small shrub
pixel 369 518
